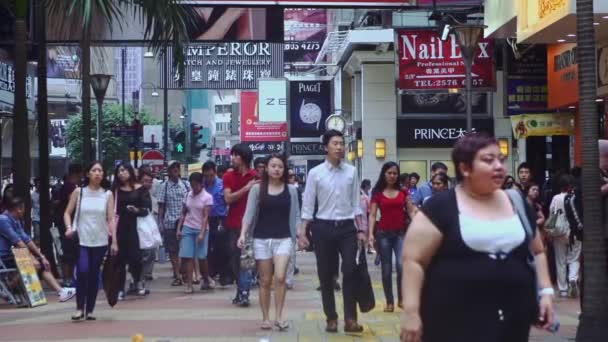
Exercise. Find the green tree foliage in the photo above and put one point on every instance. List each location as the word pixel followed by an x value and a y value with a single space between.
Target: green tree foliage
pixel 115 148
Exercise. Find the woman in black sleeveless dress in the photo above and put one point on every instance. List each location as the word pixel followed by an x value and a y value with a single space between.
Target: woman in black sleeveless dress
pixel 467 275
pixel 132 201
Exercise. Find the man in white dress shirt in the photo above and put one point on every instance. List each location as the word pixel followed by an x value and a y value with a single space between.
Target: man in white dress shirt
pixel 334 185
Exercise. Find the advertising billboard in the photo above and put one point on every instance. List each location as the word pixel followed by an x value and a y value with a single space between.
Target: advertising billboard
pixel 226 65
pixel 305 31
pixel 309 107
pixel 252 130
pixel 309 3
pixel 427 62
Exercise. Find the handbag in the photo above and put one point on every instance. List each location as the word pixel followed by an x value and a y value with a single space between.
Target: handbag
pixel 520 207
pixel 557 224
pixel 112 274
pixel 364 294
pixel 77 216
pixel 247 261
pixel 147 230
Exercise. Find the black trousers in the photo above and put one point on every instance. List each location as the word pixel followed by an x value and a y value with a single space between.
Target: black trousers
pixel 331 241
pixel 217 252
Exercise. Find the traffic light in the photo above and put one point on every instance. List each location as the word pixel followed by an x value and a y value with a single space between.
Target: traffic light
pixel 179 142
pixel 196 135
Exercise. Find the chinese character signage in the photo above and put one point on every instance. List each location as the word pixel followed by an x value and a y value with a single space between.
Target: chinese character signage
pixel 234 65
pixel 253 130
pixel 426 62
pixel 527 89
pixel 29 277
pixel 526 95
pixel 7 80
pixel 562 74
pixel 540 125
pixel 309 107
pixel 415 103
pixel 437 132
pixel 265 147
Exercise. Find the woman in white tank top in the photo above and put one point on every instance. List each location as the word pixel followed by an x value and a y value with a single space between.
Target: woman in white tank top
pixel 92 207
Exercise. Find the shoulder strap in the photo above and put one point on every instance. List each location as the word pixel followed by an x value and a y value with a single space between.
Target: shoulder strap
pixel 166 184
pixel 77 217
pixel 574 212
pixel 518 202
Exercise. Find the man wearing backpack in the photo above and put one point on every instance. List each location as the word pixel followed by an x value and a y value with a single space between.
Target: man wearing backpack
pixel 567 246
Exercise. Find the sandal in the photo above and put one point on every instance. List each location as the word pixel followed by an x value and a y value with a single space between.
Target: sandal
pixel 266 325
pixel 282 325
pixel 189 291
pixel 177 282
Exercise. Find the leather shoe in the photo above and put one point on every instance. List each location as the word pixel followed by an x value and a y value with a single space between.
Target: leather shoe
pixel 351 326
pixel 332 326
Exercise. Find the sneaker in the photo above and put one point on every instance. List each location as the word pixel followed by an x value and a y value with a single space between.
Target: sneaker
pixel 296 271
pixel 244 302
pixel 563 294
pixel 142 292
pixel 121 296
pixel 66 294
pixel 206 286
pixel 236 300
pixel 573 290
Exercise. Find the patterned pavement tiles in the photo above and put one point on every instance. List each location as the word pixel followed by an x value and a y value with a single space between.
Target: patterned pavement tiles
pixel 168 315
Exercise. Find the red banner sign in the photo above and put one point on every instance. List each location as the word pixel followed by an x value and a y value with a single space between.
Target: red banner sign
pixel 426 62
pixel 251 128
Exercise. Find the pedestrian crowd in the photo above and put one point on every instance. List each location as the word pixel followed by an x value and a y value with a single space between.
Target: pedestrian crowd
pixel 482 243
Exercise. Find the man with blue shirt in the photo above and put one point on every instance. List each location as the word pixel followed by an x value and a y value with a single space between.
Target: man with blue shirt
pixel 426 189
pixel 12 234
pixel 217 249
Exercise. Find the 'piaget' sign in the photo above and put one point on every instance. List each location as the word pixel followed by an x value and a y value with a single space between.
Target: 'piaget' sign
pixel 427 62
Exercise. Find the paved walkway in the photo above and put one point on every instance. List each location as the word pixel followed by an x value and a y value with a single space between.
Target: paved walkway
pixel 169 315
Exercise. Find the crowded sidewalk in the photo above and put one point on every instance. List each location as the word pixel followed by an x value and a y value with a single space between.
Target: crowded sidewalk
pixel 167 314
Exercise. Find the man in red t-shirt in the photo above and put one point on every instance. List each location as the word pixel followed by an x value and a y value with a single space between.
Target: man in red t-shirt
pixel 237 183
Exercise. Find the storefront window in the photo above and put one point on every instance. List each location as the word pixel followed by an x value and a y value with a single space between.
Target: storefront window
pixel 450 165
pixel 418 166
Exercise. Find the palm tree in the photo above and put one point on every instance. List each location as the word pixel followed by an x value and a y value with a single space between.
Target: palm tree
pixel 21 143
pixel 594 306
pixel 165 23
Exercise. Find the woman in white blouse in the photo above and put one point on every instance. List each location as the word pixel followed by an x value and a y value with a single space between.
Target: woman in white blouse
pixel 93 222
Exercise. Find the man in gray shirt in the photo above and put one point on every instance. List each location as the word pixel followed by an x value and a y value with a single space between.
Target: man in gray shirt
pixel 334 185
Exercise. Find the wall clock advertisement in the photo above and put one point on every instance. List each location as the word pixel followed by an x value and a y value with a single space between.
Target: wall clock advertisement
pixel 309 107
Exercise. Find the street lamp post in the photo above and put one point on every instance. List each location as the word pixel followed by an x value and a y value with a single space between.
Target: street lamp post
pixel 100 83
pixel 468 36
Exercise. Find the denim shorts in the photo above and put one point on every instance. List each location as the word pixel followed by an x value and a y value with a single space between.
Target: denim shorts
pixel 189 247
pixel 264 249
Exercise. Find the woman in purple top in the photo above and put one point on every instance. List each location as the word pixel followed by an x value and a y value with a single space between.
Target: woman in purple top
pixel 193 230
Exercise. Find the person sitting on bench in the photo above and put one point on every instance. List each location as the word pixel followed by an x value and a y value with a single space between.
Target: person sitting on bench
pixel 12 234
